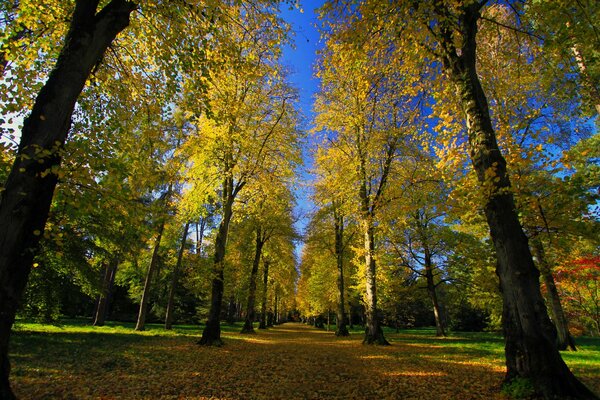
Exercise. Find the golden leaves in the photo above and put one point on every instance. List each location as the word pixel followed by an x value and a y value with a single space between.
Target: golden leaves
pixel 289 360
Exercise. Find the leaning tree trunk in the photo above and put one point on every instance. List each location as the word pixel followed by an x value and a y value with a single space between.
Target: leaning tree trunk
pixel 104 298
pixel 171 302
pixel 530 336
pixel 263 308
pixel 341 327
pixel 211 335
pixel 248 328
pixel 558 315
pixel 141 321
pixel 373 331
pixel 25 200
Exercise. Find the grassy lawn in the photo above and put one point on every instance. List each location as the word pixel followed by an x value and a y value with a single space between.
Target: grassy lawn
pixel 77 361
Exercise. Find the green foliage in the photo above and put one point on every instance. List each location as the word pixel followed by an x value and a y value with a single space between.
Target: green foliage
pixel 466 318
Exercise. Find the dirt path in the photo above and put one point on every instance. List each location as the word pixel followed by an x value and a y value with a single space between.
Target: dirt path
pixel 291 361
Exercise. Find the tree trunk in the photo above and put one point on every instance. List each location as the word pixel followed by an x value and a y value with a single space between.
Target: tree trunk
pixel 373 331
pixel 558 315
pixel 104 297
pixel 263 309
pixel 27 195
pixel 431 287
pixel 530 336
pixel 276 311
pixel 341 328
pixel 248 328
pixel 211 335
pixel 171 302
pixel 431 290
pixel 231 310
pixel 200 235
pixel 141 321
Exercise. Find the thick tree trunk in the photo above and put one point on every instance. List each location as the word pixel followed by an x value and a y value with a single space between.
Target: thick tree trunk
pixel 565 340
pixel 25 200
pixel 104 298
pixel 341 327
pixel 171 302
pixel 141 321
pixel 373 331
pixel 530 336
pixel 248 328
pixel 211 335
pixel 263 308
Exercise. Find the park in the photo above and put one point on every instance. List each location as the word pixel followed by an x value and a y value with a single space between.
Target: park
pixel 272 199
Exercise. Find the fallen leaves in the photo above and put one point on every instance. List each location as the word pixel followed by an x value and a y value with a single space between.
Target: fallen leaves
pixel 292 361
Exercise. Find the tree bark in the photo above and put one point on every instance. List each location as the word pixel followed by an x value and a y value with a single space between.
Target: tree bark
pixel 200 235
pixel 250 315
pixel 276 311
pixel 211 335
pixel 428 263
pixel 530 336
pixel 106 294
pixel 141 321
pixel 171 302
pixel 27 195
pixel 373 331
pixel 341 327
pixel 565 340
pixel 263 308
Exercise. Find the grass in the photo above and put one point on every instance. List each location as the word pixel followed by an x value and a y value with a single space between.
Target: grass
pixel 75 360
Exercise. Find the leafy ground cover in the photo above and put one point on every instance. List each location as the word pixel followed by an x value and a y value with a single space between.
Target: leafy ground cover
pixel 291 361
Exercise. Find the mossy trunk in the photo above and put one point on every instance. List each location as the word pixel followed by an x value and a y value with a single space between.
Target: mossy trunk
pixel 530 336
pixel 373 331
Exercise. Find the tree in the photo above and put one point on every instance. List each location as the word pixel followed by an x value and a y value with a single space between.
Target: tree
pixel 43 135
pixel 251 131
pixel 366 106
pixel 269 214
pixel 530 336
pixel 174 277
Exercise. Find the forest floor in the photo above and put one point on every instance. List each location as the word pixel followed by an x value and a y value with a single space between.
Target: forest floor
pixel 289 361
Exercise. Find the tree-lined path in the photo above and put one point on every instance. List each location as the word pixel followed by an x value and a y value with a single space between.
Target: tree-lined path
pixel 290 361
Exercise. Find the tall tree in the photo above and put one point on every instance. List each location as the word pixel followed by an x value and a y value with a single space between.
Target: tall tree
pixel 529 334
pixel 174 278
pixel 366 107
pixel 28 190
pixel 250 132
pixel 269 213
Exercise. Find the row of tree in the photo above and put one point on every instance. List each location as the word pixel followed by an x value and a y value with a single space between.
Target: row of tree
pixel 411 94
pixel 154 117
pixel 187 119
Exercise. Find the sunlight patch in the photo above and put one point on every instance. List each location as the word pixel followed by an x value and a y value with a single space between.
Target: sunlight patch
pixel 414 373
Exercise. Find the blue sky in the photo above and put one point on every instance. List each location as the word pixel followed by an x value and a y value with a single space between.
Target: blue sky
pixel 300 59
